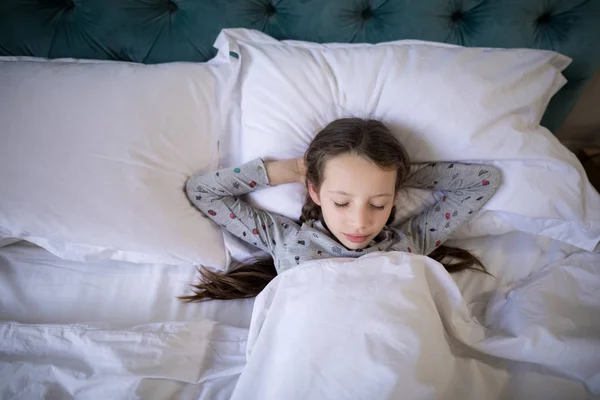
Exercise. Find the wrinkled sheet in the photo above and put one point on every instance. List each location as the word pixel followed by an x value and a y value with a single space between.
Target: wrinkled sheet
pixel 181 360
pixel 112 330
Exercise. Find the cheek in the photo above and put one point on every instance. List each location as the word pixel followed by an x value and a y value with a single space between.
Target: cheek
pixel 332 214
pixel 385 216
pixel 380 218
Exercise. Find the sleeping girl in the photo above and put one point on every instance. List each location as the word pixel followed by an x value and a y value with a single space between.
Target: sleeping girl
pixel 352 170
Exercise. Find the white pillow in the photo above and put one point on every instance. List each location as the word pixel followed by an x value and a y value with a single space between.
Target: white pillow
pixel 94 158
pixel 444 102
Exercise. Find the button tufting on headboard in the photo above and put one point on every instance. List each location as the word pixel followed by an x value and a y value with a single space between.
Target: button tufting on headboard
pixel 366 13
pixel 270 10
pixel 171 6
pixel 544 18
pixel 553 27
pixel 456 16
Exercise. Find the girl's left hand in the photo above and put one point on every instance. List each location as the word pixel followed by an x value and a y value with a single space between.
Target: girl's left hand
pixel 301 170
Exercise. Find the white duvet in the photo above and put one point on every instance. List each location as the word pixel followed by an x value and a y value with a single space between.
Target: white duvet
pixel 396 326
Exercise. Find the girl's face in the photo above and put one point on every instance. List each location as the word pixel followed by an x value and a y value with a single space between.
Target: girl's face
pixel 356 198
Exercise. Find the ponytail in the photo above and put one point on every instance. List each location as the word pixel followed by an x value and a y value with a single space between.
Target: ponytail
pixel 455 260
pixel 311 211
pixel 241 283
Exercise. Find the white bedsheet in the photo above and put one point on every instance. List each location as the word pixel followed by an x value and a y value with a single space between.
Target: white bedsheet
pixel 183 360
pixel 112 330
pixel 38 287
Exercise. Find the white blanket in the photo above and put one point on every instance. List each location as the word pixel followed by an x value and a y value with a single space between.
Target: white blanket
pixel 396 326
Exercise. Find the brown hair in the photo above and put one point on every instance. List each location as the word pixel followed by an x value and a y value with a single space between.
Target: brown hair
pixel 367 138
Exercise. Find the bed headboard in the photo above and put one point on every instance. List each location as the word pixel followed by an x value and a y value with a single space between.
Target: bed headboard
pixel 155 31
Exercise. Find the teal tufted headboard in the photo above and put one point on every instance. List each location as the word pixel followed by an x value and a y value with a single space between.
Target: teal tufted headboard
pixel 154 31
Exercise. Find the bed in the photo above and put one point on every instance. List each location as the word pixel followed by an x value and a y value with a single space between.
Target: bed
pixel 92 326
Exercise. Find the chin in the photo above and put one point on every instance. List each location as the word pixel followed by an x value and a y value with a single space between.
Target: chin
pixel 361 247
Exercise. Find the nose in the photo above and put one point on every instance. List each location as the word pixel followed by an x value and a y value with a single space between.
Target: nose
pixel 360 219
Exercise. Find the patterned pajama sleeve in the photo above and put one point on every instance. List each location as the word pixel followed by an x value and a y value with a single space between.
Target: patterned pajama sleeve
pixel 216 194
pixel 465 187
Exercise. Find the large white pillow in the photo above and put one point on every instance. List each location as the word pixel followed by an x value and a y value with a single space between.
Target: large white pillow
pixel 94 158
pixel 444 102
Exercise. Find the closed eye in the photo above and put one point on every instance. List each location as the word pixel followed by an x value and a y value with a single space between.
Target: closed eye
pixel 380 208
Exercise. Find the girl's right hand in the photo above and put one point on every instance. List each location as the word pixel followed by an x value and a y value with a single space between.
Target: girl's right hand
pixel 286 171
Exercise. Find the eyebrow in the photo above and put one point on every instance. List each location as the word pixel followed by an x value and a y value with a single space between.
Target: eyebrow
pixel 348 194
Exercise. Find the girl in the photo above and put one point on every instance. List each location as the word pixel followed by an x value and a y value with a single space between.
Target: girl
pixel 353 170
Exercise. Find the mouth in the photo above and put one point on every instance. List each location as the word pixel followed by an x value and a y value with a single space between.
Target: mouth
pixel 356 238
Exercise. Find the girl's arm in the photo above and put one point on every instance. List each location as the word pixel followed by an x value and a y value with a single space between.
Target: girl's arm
pixel 216 194
pixel 466 188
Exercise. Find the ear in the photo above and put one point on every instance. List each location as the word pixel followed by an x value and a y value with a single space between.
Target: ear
pixel 314 194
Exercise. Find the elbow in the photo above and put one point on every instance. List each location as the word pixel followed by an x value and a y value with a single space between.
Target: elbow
pixel 491 180
pixel 495 177
pixel 192 190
